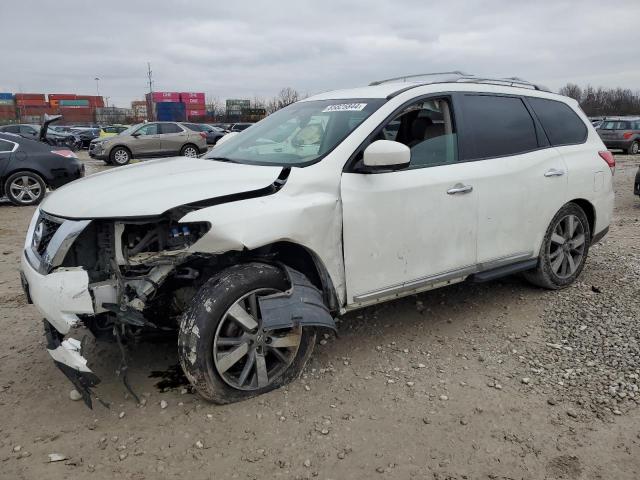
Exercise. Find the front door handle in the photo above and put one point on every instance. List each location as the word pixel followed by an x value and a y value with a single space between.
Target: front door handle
pixel 459 188
pixel 554 172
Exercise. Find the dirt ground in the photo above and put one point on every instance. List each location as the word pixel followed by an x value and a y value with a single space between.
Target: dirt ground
pixel 440 385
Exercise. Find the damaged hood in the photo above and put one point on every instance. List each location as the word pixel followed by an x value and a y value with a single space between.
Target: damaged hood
pixel 153 187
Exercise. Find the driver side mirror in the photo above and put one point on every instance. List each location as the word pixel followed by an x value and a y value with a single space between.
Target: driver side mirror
pixel 386 155
pixel 135 134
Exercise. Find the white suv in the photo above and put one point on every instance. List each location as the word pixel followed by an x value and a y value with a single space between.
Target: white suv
pixel 342 200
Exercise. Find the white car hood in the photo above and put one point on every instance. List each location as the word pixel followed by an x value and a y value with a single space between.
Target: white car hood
pixel 153 187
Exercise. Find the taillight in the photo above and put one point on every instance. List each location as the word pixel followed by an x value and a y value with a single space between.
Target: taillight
pixel 64 153
pixel 203 135
pixel 608 157
pixel 627 135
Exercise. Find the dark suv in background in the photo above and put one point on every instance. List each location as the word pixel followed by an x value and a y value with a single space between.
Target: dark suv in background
pixel 621 133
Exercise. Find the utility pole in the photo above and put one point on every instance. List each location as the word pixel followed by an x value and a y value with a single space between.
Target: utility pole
pixel 97 79
pixel 150 75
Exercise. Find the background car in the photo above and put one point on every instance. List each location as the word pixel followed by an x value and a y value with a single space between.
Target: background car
pixel 238 127
pixel 112 130
pixel 29 167
pixel 86 135
pixel 622 133
pixel 154 139
pixel 26 130
pixel 213 134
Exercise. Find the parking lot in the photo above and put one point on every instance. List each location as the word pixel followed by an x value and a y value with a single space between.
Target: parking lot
pixel 497 380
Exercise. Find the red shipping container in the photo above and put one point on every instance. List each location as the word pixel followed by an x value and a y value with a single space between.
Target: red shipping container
pixel 187 96
pixel 30 96
pixel 31 103
pixel 165 97
pixel 196 113
pixel 62 96
pixel 193 101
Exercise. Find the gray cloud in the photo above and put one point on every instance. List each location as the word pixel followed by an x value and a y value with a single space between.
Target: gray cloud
pixel 242 49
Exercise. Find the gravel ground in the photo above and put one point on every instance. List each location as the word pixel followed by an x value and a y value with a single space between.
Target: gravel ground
pixel 491 381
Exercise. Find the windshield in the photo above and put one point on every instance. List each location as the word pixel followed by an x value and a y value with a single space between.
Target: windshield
pixel 299 134
pixel 615 125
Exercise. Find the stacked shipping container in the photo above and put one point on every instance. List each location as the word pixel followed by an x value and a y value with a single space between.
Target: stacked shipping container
pixel 176 106
pixel 7 107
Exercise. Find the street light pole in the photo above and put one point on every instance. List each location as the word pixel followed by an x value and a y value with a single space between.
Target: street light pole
pixel 97 79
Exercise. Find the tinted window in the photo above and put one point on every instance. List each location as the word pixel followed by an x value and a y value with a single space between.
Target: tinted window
pixel 6 146
pixel 195 127
pixel 559 121
pixel 170 128
pixel 498 126
pixel 12 129
pixel 615 125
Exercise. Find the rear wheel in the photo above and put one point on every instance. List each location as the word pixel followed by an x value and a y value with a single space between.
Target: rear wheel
pixel 224 349
pixel 120 156
pixel 633 149
pixel 189 150
pixel 564 249
pixel 25 188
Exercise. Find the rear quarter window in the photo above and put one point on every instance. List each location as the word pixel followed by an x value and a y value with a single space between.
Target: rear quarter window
pixel 561 124
pixel 498 126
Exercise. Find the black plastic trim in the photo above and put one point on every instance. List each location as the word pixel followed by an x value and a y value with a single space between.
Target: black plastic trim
pixel 512 268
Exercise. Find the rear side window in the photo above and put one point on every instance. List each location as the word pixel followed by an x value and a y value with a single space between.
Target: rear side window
pixel 559 121
pixel 170 128
pixel 499 126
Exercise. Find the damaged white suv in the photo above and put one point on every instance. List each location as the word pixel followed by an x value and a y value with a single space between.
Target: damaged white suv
pixel 339 201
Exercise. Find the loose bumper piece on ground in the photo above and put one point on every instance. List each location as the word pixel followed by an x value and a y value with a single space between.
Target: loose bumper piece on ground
pixel 67 356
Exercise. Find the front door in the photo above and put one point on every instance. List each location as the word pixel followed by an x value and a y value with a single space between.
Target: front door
pixel 410 230
pixel 147 141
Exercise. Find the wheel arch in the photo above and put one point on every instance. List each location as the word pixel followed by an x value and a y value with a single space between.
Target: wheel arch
pixel 5 177
pixel 589 210
pixel 304 260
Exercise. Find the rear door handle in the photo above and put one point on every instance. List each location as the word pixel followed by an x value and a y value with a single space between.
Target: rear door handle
pixel 459 188
pixel 554 172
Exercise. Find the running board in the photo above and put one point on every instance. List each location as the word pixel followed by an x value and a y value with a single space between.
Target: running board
pixel 489 275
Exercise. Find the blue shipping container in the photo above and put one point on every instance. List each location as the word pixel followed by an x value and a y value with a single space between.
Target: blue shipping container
pixel 6 96
pixel 170 112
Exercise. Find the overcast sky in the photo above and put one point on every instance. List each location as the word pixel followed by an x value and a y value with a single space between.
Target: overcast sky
pixel 239 49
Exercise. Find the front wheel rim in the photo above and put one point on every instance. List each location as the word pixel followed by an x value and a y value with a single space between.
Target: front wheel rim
pixel 121 157
pixel 247 356
pixel 25 189
pixel 567 246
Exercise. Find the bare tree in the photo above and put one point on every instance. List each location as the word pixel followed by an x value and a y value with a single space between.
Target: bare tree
pixel 604 101
pixel 215 105
pixel 287 96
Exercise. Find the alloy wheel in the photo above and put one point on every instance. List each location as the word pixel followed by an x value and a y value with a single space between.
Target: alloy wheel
pixel 635 147
pixel 25 189
pixel 121 157
pixel 247 356
pixel 190 152
pixel 567 246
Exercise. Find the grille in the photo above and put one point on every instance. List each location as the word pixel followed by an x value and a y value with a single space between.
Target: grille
pixel 49 228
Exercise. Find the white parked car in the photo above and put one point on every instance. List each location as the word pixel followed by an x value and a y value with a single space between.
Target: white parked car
pixel 342 200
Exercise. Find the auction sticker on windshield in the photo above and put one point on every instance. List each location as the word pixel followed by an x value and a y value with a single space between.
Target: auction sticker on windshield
pixel 345 107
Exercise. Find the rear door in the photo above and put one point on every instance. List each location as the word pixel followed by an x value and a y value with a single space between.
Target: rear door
pixel 7 149
pixel 523 180
pixel 172 138
pixel 147 141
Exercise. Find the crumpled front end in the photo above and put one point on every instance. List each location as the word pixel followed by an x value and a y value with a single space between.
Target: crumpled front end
pixel 110 276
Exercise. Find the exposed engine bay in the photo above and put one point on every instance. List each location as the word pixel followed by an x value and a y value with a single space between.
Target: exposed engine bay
pixel 141 273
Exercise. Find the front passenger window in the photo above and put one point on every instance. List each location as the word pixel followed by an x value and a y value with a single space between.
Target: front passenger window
pixel 427 128
pixel 149 129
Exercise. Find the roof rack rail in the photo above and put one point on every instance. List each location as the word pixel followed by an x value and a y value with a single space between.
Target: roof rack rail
pixel 457 76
